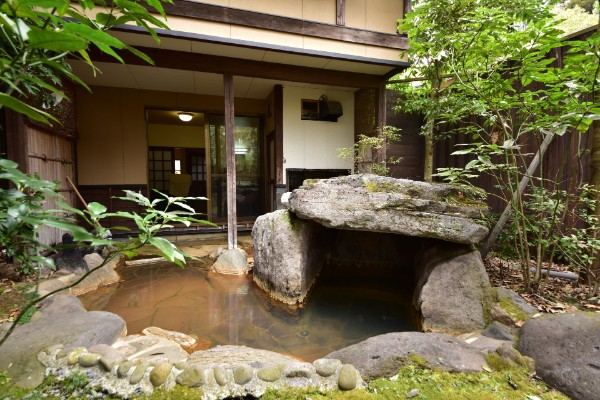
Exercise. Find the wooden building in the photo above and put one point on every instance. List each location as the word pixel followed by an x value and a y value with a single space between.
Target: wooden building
pixel 298 79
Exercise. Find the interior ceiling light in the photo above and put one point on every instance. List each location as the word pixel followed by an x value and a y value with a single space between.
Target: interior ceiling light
pixel 185 116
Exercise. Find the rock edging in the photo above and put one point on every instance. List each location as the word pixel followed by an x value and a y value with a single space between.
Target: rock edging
pixel 217 381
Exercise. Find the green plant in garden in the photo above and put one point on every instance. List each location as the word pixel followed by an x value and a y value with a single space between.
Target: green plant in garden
pixel 581 246
pixel 21 216
pixel 369 152
pixel 500 84
pixel 37 37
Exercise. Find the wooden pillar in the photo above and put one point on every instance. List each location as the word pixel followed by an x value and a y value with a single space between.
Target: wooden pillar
pixel 340 12
pixel 279 133
pixel 381 119
pixel 230 155
pixel 17 139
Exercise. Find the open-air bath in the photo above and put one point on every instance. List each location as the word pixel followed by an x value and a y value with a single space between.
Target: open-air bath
pixel 220 310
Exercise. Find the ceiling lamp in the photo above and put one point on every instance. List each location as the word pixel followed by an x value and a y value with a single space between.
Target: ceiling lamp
pixel 185 116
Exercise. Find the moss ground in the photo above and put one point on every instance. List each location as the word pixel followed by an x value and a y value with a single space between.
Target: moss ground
pixel 515 383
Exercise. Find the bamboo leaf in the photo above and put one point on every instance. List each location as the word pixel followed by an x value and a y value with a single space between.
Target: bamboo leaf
pixel 25 109
pixel 55 40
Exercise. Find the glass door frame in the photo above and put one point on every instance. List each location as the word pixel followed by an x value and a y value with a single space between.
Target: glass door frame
pixel 260 176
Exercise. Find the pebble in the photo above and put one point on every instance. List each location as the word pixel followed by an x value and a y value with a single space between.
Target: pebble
pixel 138 374
pixel 347 378
pixel 160 373
pixel 412 393
pixel 107 363
pixel 326 367
pixel 124 369
pixel 192 376
pixel 88 359
pixel 270 374
pixel 242 374
pixel 221 376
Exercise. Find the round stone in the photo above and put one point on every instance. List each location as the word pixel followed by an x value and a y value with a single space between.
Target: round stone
pixel 303 370
pixel 242 374
pixel 138 374
pixel 270 374
pixel 124 369
pixel 193 376
pixel 160 373
pixel 62 354
pixel 348 377
pixel 107 363
pixel 74 355
pixel 221 376
pixel 326 367
pixel 88 359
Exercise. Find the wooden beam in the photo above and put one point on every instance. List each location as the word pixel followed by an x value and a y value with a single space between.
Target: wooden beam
pixel 278 114
pixel 235 16
pixel 230 155
pixel 340 12
pixel 242 67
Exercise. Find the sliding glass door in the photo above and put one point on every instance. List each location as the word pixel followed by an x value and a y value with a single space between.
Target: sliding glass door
pixel 248 167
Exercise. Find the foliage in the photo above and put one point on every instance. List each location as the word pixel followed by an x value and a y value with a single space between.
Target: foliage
pixel 369 152
pixel 500 83
pixel 37 37
pixel 581 246
pixel 73 386
pixel 22 214
pixel 159 213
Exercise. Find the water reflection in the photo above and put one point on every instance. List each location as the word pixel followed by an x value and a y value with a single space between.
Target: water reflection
pixel 231 310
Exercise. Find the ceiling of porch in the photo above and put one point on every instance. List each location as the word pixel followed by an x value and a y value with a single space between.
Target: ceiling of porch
pixel 185 81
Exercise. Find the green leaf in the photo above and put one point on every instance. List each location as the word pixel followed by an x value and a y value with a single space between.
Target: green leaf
pixel 166 248
pixel 55 40
pixel 25 109
pixel 139 54
pixel 94 36
pixel 96 208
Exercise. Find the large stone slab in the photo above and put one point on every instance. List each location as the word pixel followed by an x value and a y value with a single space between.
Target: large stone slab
pixel 287 255
pixel 566 350
pixel 453 292
pixel 383 355
pixel 18 355
pixel 382 204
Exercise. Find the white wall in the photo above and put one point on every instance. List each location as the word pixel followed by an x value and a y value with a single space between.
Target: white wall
pixel 314 144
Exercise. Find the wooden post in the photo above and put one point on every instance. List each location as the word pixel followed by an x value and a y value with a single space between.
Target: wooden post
pixel 340 12
pixel 230 155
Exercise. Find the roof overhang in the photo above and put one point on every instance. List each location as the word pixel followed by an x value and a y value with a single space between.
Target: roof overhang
pixel 187 62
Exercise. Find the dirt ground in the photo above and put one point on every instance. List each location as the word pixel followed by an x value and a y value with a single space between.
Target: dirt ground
pixel 553 296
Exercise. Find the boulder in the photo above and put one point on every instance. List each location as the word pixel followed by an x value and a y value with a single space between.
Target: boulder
pixel 381 204
pixel 566 350
pixel 18 355
pixel 384 355
pixel 60 303
pixel 287 255
pixel 231 262
pixel 232 356
pixel 453 292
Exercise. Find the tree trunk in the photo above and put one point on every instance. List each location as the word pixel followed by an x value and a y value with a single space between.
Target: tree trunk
pixel 428 160
pixel 429 140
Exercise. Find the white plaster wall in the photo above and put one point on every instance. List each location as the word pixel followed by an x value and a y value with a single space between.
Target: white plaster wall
pixel 314 144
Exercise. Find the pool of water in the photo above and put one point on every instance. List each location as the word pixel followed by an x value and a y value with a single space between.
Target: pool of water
pixel 220 309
